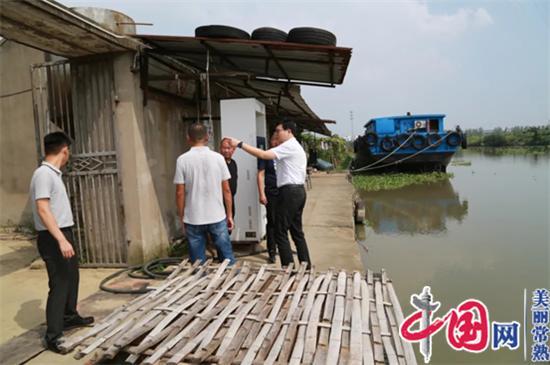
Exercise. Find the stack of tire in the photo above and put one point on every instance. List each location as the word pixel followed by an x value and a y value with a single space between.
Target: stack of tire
pixel 303 35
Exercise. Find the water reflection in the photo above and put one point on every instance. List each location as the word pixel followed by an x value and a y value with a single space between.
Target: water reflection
pixel 416 209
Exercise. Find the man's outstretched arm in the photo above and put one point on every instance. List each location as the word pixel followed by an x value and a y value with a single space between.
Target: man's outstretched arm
pixel 256 152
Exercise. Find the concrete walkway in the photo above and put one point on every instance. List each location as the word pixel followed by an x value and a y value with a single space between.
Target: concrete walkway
pixel 328 223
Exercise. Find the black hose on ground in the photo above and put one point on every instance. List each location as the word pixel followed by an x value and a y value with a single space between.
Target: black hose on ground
pixel 146 271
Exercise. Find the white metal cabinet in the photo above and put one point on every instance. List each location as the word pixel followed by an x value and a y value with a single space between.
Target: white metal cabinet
pixel 245 120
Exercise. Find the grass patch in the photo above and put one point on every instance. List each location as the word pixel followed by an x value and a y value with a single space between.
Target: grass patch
pixel 396 180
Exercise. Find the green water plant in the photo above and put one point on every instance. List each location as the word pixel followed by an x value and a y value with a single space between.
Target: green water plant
pixel 461 163
pixel 393 181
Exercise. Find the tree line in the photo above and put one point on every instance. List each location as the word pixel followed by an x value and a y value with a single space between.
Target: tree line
pixel 509 137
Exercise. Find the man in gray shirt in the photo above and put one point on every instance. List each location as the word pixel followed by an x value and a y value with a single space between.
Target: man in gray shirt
pixel 53 219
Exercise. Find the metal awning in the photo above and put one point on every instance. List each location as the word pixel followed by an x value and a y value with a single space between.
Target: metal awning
pixel 51 27
pixel 273 61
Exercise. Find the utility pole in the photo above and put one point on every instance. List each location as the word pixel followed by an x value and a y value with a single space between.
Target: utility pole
pixel 351 120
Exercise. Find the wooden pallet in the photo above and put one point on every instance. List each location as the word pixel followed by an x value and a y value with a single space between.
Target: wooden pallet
pixel 214 313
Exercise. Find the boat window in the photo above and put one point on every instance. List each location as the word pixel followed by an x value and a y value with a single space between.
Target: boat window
pixel 433 125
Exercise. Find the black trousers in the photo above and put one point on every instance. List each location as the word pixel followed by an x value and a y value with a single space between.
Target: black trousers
pixel 63 281
pixel 290 206
pixel 271 211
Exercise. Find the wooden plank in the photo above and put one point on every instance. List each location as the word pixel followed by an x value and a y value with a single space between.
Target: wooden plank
pixel 313 323
pixel 383 322
pixel 261 278
pixel 231 351
pixel 194 328
pixel 377 338
pixel 322 346
pixel 356 345
pixel 254 348
pixel 344 348
pixel 290 335
pixel 368 357
pixel 174 333
pixel 337 321
pixel 410 357
pixel 298 287
pixel 392 322
pixel 298 350
pixel 293 312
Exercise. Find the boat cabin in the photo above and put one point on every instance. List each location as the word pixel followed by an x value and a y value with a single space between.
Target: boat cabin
pixel 427 123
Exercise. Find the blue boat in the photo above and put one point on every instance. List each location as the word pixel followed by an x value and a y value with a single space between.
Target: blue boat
pixel 407 143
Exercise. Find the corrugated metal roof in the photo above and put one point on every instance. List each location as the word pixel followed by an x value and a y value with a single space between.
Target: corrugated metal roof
pixel 54 28
pixel 273 60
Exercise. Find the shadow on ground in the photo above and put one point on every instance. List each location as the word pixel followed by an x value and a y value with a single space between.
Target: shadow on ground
pixel 22 317
pixel 21 255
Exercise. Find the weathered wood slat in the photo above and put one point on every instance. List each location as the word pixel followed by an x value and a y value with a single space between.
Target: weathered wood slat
pixel 368 357
pixel 356 342
pixel 293 312
pixel 298 350
pixel 337 321
pixel 383 322
pixel 376 336
pixel 298 287
pixel 410 357
pixel 313 323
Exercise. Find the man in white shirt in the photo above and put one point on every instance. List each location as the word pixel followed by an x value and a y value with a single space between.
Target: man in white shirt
pixel 53 221
pixel 290 165
pixel 202 187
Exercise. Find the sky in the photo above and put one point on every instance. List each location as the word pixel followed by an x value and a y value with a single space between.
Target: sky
pixel 482 63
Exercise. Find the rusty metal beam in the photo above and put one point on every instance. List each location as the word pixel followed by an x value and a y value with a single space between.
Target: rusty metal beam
pixel 221 55
pixel 171 52
pixel 272 56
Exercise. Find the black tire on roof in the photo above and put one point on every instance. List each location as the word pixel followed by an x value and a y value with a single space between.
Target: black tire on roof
pixel 221 31
pixel 269 34
pixel 309 35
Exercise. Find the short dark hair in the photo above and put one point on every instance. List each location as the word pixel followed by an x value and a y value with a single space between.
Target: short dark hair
pixel 196 131
pixel 54 142
pixel 288 124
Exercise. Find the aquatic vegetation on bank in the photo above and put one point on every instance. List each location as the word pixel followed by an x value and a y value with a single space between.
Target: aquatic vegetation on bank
pixel 461 163
pixel 396 180
pixel 518 150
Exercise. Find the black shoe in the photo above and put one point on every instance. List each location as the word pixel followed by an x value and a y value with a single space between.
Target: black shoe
pixel 272 259
pixel 78 321
pixel 55 346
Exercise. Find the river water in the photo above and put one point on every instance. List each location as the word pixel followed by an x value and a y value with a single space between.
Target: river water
pixel 483 234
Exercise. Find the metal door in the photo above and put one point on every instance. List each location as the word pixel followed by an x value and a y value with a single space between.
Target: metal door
pixel 77 97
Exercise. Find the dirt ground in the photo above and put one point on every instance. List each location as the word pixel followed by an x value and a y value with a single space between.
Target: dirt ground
pixel 328 227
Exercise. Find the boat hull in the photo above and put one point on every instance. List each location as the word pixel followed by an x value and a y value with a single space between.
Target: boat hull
pixel 401 162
